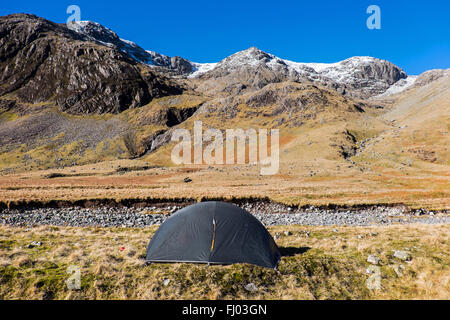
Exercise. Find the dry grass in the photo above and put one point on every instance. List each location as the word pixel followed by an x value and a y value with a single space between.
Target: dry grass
pixel 292 186
pixel 327 264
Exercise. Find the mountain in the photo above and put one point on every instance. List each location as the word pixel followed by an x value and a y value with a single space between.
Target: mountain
pixel 96 32
pixel 360 77
pixel 41 61
pixel 79 94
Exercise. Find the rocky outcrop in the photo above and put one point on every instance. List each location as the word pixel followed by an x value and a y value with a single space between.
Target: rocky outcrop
pixel 430 76
pixel 42 61
pixel 104 36
pixel 171 65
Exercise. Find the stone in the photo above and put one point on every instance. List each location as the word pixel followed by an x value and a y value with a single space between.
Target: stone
pixel 373 282
pixel 402 255
pixel 251 287
pixel 373 259
pixel 166 282
pixel 34 244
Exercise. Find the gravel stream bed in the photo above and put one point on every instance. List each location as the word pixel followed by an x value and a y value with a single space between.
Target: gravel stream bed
pixel 268 213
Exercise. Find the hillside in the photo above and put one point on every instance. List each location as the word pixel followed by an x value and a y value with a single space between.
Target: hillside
pixel 86 114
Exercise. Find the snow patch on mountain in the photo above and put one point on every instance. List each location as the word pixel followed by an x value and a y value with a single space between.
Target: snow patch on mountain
pixel 200 68
pixel 399 86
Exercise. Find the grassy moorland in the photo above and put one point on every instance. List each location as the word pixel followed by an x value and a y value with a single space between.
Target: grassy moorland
pixel 317 263
pixel 136 179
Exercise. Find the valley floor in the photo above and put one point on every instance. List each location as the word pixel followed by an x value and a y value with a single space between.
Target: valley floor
pixel 122 180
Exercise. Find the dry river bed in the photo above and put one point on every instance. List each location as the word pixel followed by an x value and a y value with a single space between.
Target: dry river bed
pixel 270 214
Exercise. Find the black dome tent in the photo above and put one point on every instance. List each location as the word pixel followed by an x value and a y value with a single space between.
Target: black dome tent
pixel 214 233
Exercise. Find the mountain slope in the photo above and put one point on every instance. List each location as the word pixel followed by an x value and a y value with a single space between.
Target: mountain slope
pixel 42 61
pixel 420 120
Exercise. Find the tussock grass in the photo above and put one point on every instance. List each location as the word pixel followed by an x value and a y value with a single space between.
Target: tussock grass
pixel 318 263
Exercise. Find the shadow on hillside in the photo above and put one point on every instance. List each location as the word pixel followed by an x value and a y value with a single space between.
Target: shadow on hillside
pixel 292 251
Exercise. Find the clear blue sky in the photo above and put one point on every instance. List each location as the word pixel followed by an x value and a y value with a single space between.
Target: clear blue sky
pixel 415 35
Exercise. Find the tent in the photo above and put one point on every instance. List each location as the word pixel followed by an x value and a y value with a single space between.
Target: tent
pixel 213 233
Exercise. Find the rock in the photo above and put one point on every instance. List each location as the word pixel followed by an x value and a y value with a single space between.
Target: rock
pixel 402 255
pixel 373 259
pixel 251 287
pixel 399 269
pixel 374 281
pixel 34 244
pixel 166 282
pixel 287 233
pixel 270 214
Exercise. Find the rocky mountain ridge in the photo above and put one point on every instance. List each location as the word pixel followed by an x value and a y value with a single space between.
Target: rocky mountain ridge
pixel 41 61
pixel 105 36
pixel 361 77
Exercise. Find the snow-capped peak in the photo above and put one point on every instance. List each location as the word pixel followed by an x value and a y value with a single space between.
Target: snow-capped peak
pixel 250 57
pixel 365 75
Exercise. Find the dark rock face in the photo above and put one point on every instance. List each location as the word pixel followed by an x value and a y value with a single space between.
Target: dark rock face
pixel 181 64
pixel 42 61
pixel 171 65
pixel 104 36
